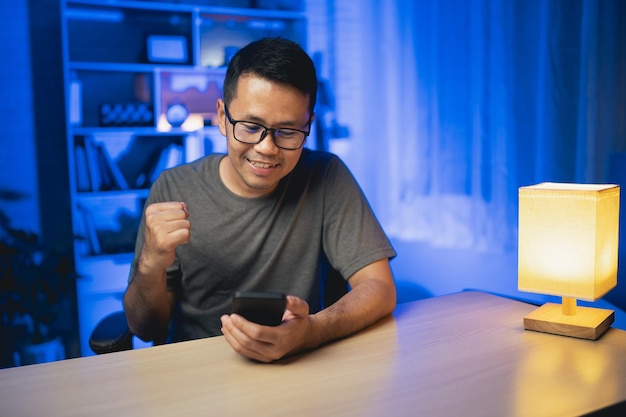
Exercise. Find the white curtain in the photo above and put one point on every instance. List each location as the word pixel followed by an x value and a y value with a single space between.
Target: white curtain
pixel 454 104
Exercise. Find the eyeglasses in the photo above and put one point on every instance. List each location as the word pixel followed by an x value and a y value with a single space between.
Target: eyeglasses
pixel 253 133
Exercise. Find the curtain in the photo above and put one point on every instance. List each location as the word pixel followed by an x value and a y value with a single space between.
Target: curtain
pixel 467 100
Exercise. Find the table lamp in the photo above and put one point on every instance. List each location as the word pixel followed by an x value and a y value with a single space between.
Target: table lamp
pixel 568 237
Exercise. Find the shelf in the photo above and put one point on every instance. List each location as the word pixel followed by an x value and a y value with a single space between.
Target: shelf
pixel 118 32
pixel 97 93
pixel 123 67
pixel 107 223
pixel 120 35
pixel 187 7
pixel 128 162
pixel 126 63
pixel 139 99
pixel 140 131
pixel 221 35
pixel 86 196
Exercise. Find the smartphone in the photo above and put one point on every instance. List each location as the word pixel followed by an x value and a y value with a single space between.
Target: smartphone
pixel 264 308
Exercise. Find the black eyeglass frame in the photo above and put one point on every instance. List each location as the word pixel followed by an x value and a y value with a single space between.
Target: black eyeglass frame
pixel 266 129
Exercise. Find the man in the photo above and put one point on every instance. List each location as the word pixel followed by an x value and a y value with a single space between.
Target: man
pixel 267 216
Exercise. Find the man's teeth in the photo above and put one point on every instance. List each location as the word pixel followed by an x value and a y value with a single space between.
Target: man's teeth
pixel 262 164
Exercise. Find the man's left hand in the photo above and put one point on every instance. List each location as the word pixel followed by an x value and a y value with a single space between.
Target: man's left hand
pixel 267 343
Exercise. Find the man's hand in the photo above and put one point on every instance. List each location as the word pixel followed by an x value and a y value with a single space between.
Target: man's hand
pixel 166 228
pixel 372 296
pixel 267 343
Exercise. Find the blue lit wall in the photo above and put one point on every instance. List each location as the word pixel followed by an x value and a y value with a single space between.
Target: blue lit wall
pixel 18 174
pixel 453 105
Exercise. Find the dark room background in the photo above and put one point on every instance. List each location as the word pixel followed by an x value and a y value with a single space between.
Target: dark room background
pixel 442 109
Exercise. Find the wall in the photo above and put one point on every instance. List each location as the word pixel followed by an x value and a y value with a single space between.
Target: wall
pixel 34 192
pixel 373 44
pixel 18 170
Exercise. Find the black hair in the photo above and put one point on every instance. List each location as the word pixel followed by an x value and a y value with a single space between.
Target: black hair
pixel 274 59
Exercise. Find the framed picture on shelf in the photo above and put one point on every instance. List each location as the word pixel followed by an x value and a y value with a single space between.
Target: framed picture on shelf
pixel 167 49
pixel 196 91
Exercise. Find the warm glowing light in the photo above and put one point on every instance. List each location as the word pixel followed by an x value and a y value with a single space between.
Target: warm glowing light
pixel 193 123
pixel 568 239
pixel 163 125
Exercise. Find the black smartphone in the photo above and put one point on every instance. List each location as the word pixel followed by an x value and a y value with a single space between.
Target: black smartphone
pixel 264 308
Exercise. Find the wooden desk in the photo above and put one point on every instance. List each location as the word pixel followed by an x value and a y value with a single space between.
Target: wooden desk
pixel 463 354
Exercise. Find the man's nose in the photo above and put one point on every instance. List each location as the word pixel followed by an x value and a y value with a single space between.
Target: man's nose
pixel 267 144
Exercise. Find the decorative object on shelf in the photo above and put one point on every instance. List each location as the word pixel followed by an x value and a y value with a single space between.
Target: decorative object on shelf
pixel 176 114
pixel 36 301
pixel 568 240
pixel 76 102
pixel 167 49
pixel 126 114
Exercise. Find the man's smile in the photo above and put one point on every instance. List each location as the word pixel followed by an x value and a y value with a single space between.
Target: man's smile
pixel 261 164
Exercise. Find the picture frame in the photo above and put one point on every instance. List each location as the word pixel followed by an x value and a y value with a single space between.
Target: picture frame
pixel 167 49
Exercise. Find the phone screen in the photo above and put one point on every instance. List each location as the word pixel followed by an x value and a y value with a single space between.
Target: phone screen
pixel 264 308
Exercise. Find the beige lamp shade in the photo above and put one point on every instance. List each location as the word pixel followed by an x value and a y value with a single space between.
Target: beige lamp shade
pixel 568 239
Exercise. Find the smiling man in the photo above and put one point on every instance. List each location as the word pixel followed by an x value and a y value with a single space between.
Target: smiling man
pixel 270 215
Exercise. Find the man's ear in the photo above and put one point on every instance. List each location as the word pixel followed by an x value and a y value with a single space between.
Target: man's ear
pixel 221 116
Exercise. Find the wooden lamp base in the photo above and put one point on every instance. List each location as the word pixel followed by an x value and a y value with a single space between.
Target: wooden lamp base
pixel 585 323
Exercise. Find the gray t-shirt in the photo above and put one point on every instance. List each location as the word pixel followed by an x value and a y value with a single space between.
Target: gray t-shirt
pixel 284 242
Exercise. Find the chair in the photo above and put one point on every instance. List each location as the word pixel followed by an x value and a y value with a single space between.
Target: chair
pixel 112 333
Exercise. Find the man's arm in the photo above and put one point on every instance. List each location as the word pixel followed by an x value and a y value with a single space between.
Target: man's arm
pixel 148 306
pixel 147 302
pixel 372 297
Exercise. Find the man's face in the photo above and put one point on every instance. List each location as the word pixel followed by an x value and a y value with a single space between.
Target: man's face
pixel 254 170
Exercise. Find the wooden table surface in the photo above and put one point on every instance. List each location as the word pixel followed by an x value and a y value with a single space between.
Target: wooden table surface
pixel 461 354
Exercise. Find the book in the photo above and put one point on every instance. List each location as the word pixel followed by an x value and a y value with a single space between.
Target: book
pixel 93 164
pixel 174 156
pixel 169 157
pixel 82 246
pixel 76 104
pixel 90 231
pixel 194 147
pixel 113 172
pixel 82 171
pixel 105 172
pixel 139 157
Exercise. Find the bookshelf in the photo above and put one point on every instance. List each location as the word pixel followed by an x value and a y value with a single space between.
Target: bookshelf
pixel 142 78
